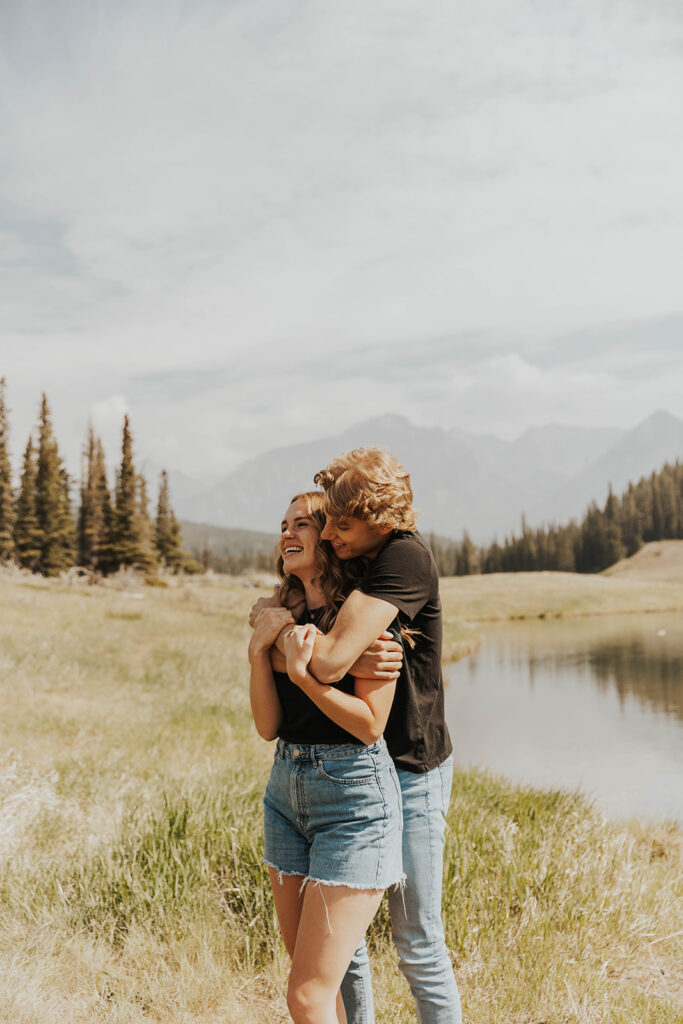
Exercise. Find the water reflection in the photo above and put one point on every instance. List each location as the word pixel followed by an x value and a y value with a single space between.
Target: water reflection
pixel 643 670
pixel 594 702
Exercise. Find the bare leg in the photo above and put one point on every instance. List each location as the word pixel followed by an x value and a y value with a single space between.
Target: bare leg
pixel 332 922
pixel 288 901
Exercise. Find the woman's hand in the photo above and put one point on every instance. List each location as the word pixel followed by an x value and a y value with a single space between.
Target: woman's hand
pixel 265 602
pixel 268 623
pixel 299 643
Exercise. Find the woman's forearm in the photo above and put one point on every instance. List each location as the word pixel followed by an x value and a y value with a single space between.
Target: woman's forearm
pixel 265 703
pixel 364 715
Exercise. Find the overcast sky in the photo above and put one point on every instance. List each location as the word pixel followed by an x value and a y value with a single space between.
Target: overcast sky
pixel 247 223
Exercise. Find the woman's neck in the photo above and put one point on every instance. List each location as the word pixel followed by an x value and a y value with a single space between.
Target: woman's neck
pixel 314 595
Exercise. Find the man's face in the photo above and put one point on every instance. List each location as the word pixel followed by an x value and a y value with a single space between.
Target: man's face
pixel 355 538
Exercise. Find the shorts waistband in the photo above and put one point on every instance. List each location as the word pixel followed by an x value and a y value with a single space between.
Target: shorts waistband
pixel 313 751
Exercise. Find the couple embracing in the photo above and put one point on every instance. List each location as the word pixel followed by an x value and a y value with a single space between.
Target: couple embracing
pixel 346 674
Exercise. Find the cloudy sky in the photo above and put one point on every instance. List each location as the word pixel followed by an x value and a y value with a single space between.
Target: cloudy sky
pixel 247 223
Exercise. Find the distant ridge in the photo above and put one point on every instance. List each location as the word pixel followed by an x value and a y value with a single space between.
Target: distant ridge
pixel 225 544
pixel 453 485
pixel 643 450
pixel 461 481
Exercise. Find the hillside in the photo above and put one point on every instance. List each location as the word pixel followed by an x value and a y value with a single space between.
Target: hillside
pixel 659 560
pixel 461 481
pixel 227 547
pixel 658 439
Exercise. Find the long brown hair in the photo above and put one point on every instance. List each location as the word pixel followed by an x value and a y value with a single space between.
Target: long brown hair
pixel 334 582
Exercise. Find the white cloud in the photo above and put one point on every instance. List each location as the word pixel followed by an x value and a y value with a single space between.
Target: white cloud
pixel 275 202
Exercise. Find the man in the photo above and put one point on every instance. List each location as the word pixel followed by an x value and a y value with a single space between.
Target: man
pixel 370 516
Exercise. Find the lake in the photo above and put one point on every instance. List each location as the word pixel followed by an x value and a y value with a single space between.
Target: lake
pixel 592 703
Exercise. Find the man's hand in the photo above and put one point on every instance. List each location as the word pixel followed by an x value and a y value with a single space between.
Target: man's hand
pixel 268 624
pixel 296 603
pixel 265 602
pixel 382 660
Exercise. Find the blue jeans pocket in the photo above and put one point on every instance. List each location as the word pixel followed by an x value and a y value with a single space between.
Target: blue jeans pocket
pixel 359 772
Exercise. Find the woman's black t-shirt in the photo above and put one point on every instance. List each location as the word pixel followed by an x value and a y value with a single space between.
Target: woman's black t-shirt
pixel 303 721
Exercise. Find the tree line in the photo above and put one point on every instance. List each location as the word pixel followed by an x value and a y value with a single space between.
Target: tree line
pixel 110 530
pixel 651 509
pixel 113 528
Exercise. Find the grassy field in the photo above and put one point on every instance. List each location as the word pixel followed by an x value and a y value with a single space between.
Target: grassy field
pixel 532 595
pixel 660 560
pixel 130 787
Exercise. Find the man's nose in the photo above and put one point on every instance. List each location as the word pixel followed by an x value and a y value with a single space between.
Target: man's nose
pixel 326 533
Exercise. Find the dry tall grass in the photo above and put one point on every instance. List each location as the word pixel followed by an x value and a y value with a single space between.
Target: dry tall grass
pixel 130 835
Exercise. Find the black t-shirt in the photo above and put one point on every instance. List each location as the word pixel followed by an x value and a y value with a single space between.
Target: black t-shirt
pixel 404 574
pixel 303 721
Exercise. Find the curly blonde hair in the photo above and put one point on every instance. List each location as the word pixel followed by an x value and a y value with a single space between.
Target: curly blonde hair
pixel 335 583
pixel 371 484
pixel 336 580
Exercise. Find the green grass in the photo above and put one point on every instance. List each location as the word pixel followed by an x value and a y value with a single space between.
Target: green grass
pixel 131 888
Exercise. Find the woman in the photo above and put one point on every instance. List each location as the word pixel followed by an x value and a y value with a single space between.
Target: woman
pixel 332 804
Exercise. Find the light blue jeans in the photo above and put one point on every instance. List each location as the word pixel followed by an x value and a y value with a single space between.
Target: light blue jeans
pixel 332 813
pixel 416 925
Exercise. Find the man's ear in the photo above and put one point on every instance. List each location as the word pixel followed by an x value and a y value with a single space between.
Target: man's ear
pixel 384 530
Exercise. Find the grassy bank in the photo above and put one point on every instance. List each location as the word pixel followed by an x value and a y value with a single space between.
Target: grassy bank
pixel 130 834
pixel 533 595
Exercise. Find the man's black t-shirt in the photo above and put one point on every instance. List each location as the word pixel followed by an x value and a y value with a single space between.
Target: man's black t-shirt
pixel 303 721
pixel 404 574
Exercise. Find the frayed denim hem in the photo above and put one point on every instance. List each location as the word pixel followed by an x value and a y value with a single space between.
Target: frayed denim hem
pixel 320 882
pixel 281 872
pixel 399 884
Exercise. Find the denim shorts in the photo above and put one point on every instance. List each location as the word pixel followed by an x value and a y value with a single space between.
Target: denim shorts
pixel 333 814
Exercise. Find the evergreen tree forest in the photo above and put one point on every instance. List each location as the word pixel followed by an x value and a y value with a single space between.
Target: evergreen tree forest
pixel 41 530
pixel 651 509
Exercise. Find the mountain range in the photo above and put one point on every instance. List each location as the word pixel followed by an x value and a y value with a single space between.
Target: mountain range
pixel 461 481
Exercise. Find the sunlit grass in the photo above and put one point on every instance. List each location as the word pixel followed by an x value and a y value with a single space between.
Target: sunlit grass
pixel 130 838
pixel 531 595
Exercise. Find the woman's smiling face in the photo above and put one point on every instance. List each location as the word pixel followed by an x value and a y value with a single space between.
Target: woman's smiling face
pixel 299 539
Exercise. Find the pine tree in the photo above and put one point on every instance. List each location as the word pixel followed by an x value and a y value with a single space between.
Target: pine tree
pixel 591 556
pixel 53 504
pixel 95 514
pixel 6 497
pixel 566 558
pixel 492 560
pixel 631 527
pixel 125 539
pixel 467 558
pixel 615 548
pixel 147 556
pixel 27 533
pixel 132 541
pixel 669 504
pixel 657 530
pixel 66 525
pixel 167 529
